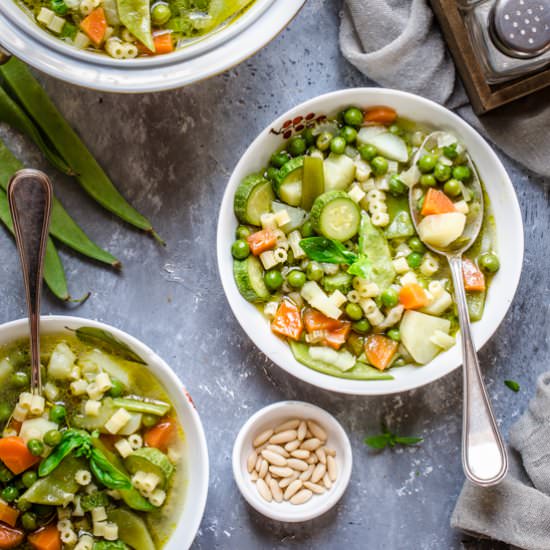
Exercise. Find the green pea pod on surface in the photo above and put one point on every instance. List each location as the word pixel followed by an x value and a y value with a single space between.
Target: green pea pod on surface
pixel 62 226
pixel 136 17
pixel 22 85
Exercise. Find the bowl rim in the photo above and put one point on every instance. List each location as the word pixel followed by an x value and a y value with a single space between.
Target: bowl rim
pixel 182 534
pixel 327 500
pixel 281 358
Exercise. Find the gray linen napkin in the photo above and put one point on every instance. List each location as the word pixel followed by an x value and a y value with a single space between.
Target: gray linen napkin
pixel 516 511
pixel 397 44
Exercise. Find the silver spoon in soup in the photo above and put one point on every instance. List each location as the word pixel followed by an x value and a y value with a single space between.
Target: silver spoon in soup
pixel 450 234
pixel 30 199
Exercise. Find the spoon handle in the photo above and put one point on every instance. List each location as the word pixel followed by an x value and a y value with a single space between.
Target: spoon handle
pixel 484 457
pixel 30 198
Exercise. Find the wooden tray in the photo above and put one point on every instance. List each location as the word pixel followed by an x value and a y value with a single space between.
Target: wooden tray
pixel 484 97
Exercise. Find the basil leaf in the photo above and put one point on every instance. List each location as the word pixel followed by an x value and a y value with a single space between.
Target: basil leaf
pixel 513 385
pixel 103 338
pixel 362 267
pixel 70 442
pixel 404 440
pixel 377 441
pixel 106 472
pixel 321 249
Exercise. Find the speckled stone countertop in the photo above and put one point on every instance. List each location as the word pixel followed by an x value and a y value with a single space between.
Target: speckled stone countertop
pixel 171 154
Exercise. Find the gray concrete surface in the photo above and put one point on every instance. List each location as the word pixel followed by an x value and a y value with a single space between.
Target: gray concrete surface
pixel 171 154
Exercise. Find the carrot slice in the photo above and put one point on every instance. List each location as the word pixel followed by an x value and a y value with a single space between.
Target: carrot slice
pixel 8 514
pixel 315 320
pixel 336 338
pixel 15 454
pixel 474 280
pixel 413 296
pixel 95 26
pixel 436 202
pixel 261 241
pixel 163 43
pixel 10 538
pixel 288 321
pixel 380 115
pixel 46 538
pixel 161 435
pixel 380 350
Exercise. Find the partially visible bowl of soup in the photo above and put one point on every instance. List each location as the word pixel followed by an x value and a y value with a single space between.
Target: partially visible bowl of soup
pixel 110 456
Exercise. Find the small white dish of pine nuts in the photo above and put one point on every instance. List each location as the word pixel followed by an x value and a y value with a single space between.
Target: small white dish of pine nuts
pixel 292 461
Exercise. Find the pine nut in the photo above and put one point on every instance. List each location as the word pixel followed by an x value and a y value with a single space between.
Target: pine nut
pixel 297 464
pixel 286 481
pixel 317 489
pixel 283 437
pixel 329 452
pixel 278 449
pixel 313 459
pixel 267 478
pixel 318 473
pixel 251 462
pixel 320 452
pixel 288 425
pixel 274 458
pixel 254 475
pixel 264 491
pixel 292 489
pixel 258 463
pixel 263 469
pixel 275 490
pixel 331 468
pixel 293 445
pixel 316 430
pixel 326 481
pixel 304 476
pixel 262 438
pixel 302 497
pixel 311 444
pixel 302 429
pixel 281 471
pixel 302 454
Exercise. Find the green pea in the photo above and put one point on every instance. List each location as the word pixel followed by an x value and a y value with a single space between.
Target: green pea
pixel 278 159
pixel 461 173
pixel 323 141
pixel 271 173
pixel 414 259
pixel 397 187
pixel 394 334
pixel 5 474
pixel 307 229
pixel 396 130
pixel 338 145
pixel 29 478
pixel 10 493
pixel 273 279
pixel 117 388
pixel 353 116
pixel 5 412
pixel 28 521
pixel 149 420
pixel 367 152
pixel 442 172
pixel 240 249
pixel 389 297
pixel 354 311
pixel 52 438
pixel 452 187
pixel 308 137
pixel 23 504
pixel 416 245
pixel 58 413
pixel 297 146
pixel 296 278
pixel 314 271
pixel 489 262
pixel 379 166
pixel 160 14
pixel 35 446
pixel 349 134
pixel 426 163
pixel 361 326
pixel 450 151
pixel 20 379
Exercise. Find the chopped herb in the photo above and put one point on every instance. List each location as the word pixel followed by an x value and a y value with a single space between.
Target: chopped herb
pixel 512 384
pixel 386 438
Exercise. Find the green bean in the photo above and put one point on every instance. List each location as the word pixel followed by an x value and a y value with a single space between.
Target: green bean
pixel 13 115
pixel 91 176
pixel 62 226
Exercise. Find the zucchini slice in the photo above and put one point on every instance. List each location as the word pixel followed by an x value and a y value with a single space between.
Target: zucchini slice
pixel 249 276
pixel 151 461
pixel 288 181
pixel 252 199
pixel 335 216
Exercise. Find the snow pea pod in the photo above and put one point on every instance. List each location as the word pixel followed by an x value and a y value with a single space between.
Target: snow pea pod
pixel 222 10
pixel 20 82
pixel 136 17
pixel 62 226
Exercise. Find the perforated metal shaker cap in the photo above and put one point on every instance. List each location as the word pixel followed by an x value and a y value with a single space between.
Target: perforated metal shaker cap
pixel 521 28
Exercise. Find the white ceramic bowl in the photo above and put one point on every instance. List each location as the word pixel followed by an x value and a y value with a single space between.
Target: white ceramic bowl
pixel 269 417
pixel 196 455
pixel 203 57
pixel 504 204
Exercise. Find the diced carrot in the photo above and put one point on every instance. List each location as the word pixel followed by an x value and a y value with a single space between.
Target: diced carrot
pixel 315 320
pixel 47 538
pixel 10 538
pixel 380 350
pixel 15 454
pixel 436 202
pixel 163 43
pixel 161 435
pixel 261 241
pixel 288 321
pixel 474 280
pixel 380 115
pixel 8 514
pixel 336 338
pixel 413 296
pixel 95 26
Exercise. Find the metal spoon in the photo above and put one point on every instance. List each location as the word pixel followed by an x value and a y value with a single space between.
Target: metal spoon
pixel 30 198
pixel 484 457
